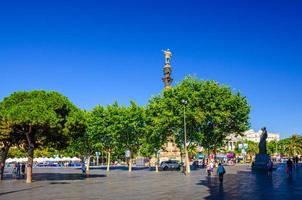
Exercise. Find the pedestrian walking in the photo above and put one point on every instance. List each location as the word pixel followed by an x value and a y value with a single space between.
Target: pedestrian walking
pixel 220 172
pixel 14 171
pixel 269 167
pixel 289 167
pixel 195 164
pixel 210 168
pixel 296 161
pixel 23 170
pixel 83 169
pixel 18 170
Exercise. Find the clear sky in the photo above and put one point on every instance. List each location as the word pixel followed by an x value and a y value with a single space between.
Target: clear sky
pixel 96 52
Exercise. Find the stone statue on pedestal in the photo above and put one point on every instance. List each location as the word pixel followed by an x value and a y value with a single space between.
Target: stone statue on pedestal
pixel 262 158
pixel 262 143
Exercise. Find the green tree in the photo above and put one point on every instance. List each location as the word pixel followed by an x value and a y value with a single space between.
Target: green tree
pixel 157 128
pixel 212 111
pixel 8 138
pixel 102 129
pixel 224 113
pixel 82 143
pixel 251 151
pixel 39 118
pixel 15 152
pixel 131 129
pixel 272 147
pixel 291 146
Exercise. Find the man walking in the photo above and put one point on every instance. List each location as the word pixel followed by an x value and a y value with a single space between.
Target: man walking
pixel 289 167
pixel 23 170
pixel 83 169
pixel 18 170
pixel 220 172
pixel 269 167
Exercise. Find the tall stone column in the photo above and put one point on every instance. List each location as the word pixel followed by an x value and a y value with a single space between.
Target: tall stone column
pixel 167 69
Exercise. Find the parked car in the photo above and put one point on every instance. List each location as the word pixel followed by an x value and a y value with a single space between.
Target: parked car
pixel 170 164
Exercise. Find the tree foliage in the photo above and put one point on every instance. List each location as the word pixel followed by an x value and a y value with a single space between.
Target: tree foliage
pixel 39 118
pixel 252 148
pixel 291 146
pixel 212 112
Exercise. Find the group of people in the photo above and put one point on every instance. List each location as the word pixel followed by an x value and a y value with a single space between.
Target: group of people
pixel 290 165
pixel 19 170
pixel 220 170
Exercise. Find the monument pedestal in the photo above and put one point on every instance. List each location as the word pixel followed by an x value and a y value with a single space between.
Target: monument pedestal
pixel 261 161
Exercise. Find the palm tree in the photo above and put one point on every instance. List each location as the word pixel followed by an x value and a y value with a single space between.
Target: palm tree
pixel 293 146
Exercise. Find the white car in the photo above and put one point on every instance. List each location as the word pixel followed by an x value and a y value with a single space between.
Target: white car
pixel 170 164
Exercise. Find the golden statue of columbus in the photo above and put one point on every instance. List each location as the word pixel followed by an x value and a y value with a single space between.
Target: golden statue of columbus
pixel 168 55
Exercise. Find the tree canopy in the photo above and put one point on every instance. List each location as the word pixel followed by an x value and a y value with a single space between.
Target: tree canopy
pixel 212 112
pixel 40 118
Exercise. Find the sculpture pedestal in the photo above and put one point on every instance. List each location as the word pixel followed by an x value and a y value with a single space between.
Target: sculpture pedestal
pixel 261 161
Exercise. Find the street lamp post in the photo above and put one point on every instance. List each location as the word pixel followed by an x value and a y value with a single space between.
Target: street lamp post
pixel 184 102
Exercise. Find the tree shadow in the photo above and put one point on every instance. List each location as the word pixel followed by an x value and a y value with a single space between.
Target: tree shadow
pixel 121 167
pixel 58 176
pixel 10 192
pixel 253 185
pixel 64 176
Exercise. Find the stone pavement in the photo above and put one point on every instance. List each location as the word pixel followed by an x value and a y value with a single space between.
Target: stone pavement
pixel 239 183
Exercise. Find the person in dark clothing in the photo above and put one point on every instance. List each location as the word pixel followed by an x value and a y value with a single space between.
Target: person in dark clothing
pixel 83 169
pixel 289 167
pixel 220 172
pixel 296 160
pixel 23 170
pixel 269 167
pixel 18 170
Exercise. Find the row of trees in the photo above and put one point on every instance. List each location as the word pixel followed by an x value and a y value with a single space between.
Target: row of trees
pixel 35 119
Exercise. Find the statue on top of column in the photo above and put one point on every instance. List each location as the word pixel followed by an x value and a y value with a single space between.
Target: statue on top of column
pixel 168 55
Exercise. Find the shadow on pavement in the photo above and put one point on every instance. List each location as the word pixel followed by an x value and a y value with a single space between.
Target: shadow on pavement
pixel 59 176
pixel 63 176
pixel 10 192
pixel 124 168
pixel 254 185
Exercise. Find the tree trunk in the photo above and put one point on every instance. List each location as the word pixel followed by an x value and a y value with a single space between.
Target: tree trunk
pixel 108 161
pixel 156 164
pixel 88 165
pixel 30 160
pixel 188 170
pixel 181 154
pixel 215 152
pixel 3 155
pixel 130 162
pixel 30 153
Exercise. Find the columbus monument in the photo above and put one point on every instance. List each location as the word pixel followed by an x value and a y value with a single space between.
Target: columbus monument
pixel 169 151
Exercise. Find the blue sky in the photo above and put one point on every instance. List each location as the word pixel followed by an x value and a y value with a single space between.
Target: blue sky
pixel 96 52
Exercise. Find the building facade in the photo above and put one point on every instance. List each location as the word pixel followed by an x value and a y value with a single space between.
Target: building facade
pixel 249 135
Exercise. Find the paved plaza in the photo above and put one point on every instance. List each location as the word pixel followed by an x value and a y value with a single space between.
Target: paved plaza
pixel 68 183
